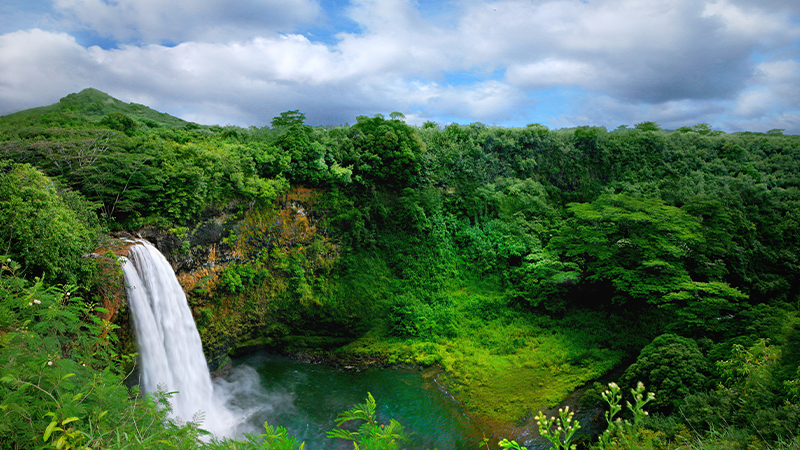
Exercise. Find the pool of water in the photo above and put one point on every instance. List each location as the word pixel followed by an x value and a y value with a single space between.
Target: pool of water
pixel 306 399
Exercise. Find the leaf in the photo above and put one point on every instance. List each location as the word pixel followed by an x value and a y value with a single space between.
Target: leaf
pixel 49 430
pixel 341 434
pixel 69 419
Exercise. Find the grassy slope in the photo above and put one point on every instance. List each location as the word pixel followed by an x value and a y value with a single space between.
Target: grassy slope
pixel 503 363
pixel 93 103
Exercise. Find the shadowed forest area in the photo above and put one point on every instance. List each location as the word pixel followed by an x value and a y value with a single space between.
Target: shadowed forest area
pixel 525 262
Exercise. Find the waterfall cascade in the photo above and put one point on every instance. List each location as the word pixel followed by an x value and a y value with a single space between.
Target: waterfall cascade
pixel 170 349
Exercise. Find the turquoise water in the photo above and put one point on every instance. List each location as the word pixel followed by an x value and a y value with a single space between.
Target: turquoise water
pixel 306 398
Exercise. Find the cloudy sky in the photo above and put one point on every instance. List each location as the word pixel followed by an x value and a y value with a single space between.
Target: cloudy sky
pixel 732 63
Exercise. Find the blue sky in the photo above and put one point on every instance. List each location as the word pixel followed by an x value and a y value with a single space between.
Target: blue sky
pixel 734 64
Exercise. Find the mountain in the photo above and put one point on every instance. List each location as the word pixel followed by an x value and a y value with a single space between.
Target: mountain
pixel 94 103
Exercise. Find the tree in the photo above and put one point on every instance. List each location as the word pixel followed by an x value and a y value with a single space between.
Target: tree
pixel 307 157
pixel 672 367
pixel 385 151
pixel 288 118
pixel 647 126
pixel 40 230
pixel 120 122
pixel 634 246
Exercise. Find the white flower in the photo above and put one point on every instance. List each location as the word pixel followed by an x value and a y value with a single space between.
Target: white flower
pixel 30 304
pixel 37 301
pixel 49 363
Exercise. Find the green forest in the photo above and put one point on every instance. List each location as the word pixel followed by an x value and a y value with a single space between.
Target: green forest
pixel 524 262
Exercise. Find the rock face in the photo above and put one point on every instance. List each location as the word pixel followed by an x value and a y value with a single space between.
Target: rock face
pixel 191 249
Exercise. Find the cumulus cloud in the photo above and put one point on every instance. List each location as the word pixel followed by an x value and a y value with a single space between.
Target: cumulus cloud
pixel 551 72
pixel 677 62
pixel 773 92
pixel 173 21
pixel 39 67
pixel 653 51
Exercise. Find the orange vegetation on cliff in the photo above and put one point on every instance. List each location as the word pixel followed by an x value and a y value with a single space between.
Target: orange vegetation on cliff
pixel 205 277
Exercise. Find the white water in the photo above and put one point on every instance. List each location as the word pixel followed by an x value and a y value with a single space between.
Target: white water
pixel 170 349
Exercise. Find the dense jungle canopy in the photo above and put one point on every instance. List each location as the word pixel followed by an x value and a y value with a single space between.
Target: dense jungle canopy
pixel 526 262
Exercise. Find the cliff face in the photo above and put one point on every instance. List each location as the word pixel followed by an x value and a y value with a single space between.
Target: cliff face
pixel 280 255
pixel 193 248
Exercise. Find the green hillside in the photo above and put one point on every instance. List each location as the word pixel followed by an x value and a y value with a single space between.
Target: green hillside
pixel 95 104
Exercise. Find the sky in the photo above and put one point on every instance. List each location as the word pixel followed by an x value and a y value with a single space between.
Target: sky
pixel 734 64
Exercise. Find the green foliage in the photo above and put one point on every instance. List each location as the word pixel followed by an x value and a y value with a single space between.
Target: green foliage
pixel 698 306
pixel 288 118
pixel 647 126
pixel 61 381
pixel 622 433
pixel 274 438
pixel 370 435
pixel 235 278
pixel 92 103
pixel 41 229
pixel 558 430
pixel 120 122
pixel 673 367
pixel 414 314
pixel 386 152
pixel 446 245
pixel 634 246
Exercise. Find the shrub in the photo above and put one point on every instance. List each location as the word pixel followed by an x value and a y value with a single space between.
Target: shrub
pixel 42 230
pixel 673 367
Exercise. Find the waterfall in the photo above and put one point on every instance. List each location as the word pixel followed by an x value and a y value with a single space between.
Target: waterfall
pixel 170 349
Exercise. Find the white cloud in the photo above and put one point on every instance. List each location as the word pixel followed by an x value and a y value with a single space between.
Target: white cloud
pixel 612 112
pixel 551 72
pixel 489 101
pixel 774 90
pixel 39 67
pixel 626 60
pixel 173 21
pixel 750 23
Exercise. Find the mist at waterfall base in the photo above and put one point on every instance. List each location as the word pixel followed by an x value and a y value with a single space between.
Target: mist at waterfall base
pixel 305 398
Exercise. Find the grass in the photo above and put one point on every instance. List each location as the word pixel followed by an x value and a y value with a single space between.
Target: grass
pixel 503 364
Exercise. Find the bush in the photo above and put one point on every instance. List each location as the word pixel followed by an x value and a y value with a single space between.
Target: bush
pixel 410 316
pixel 672 367
pixel 237 277
pixel 47 231
pixel 61 382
